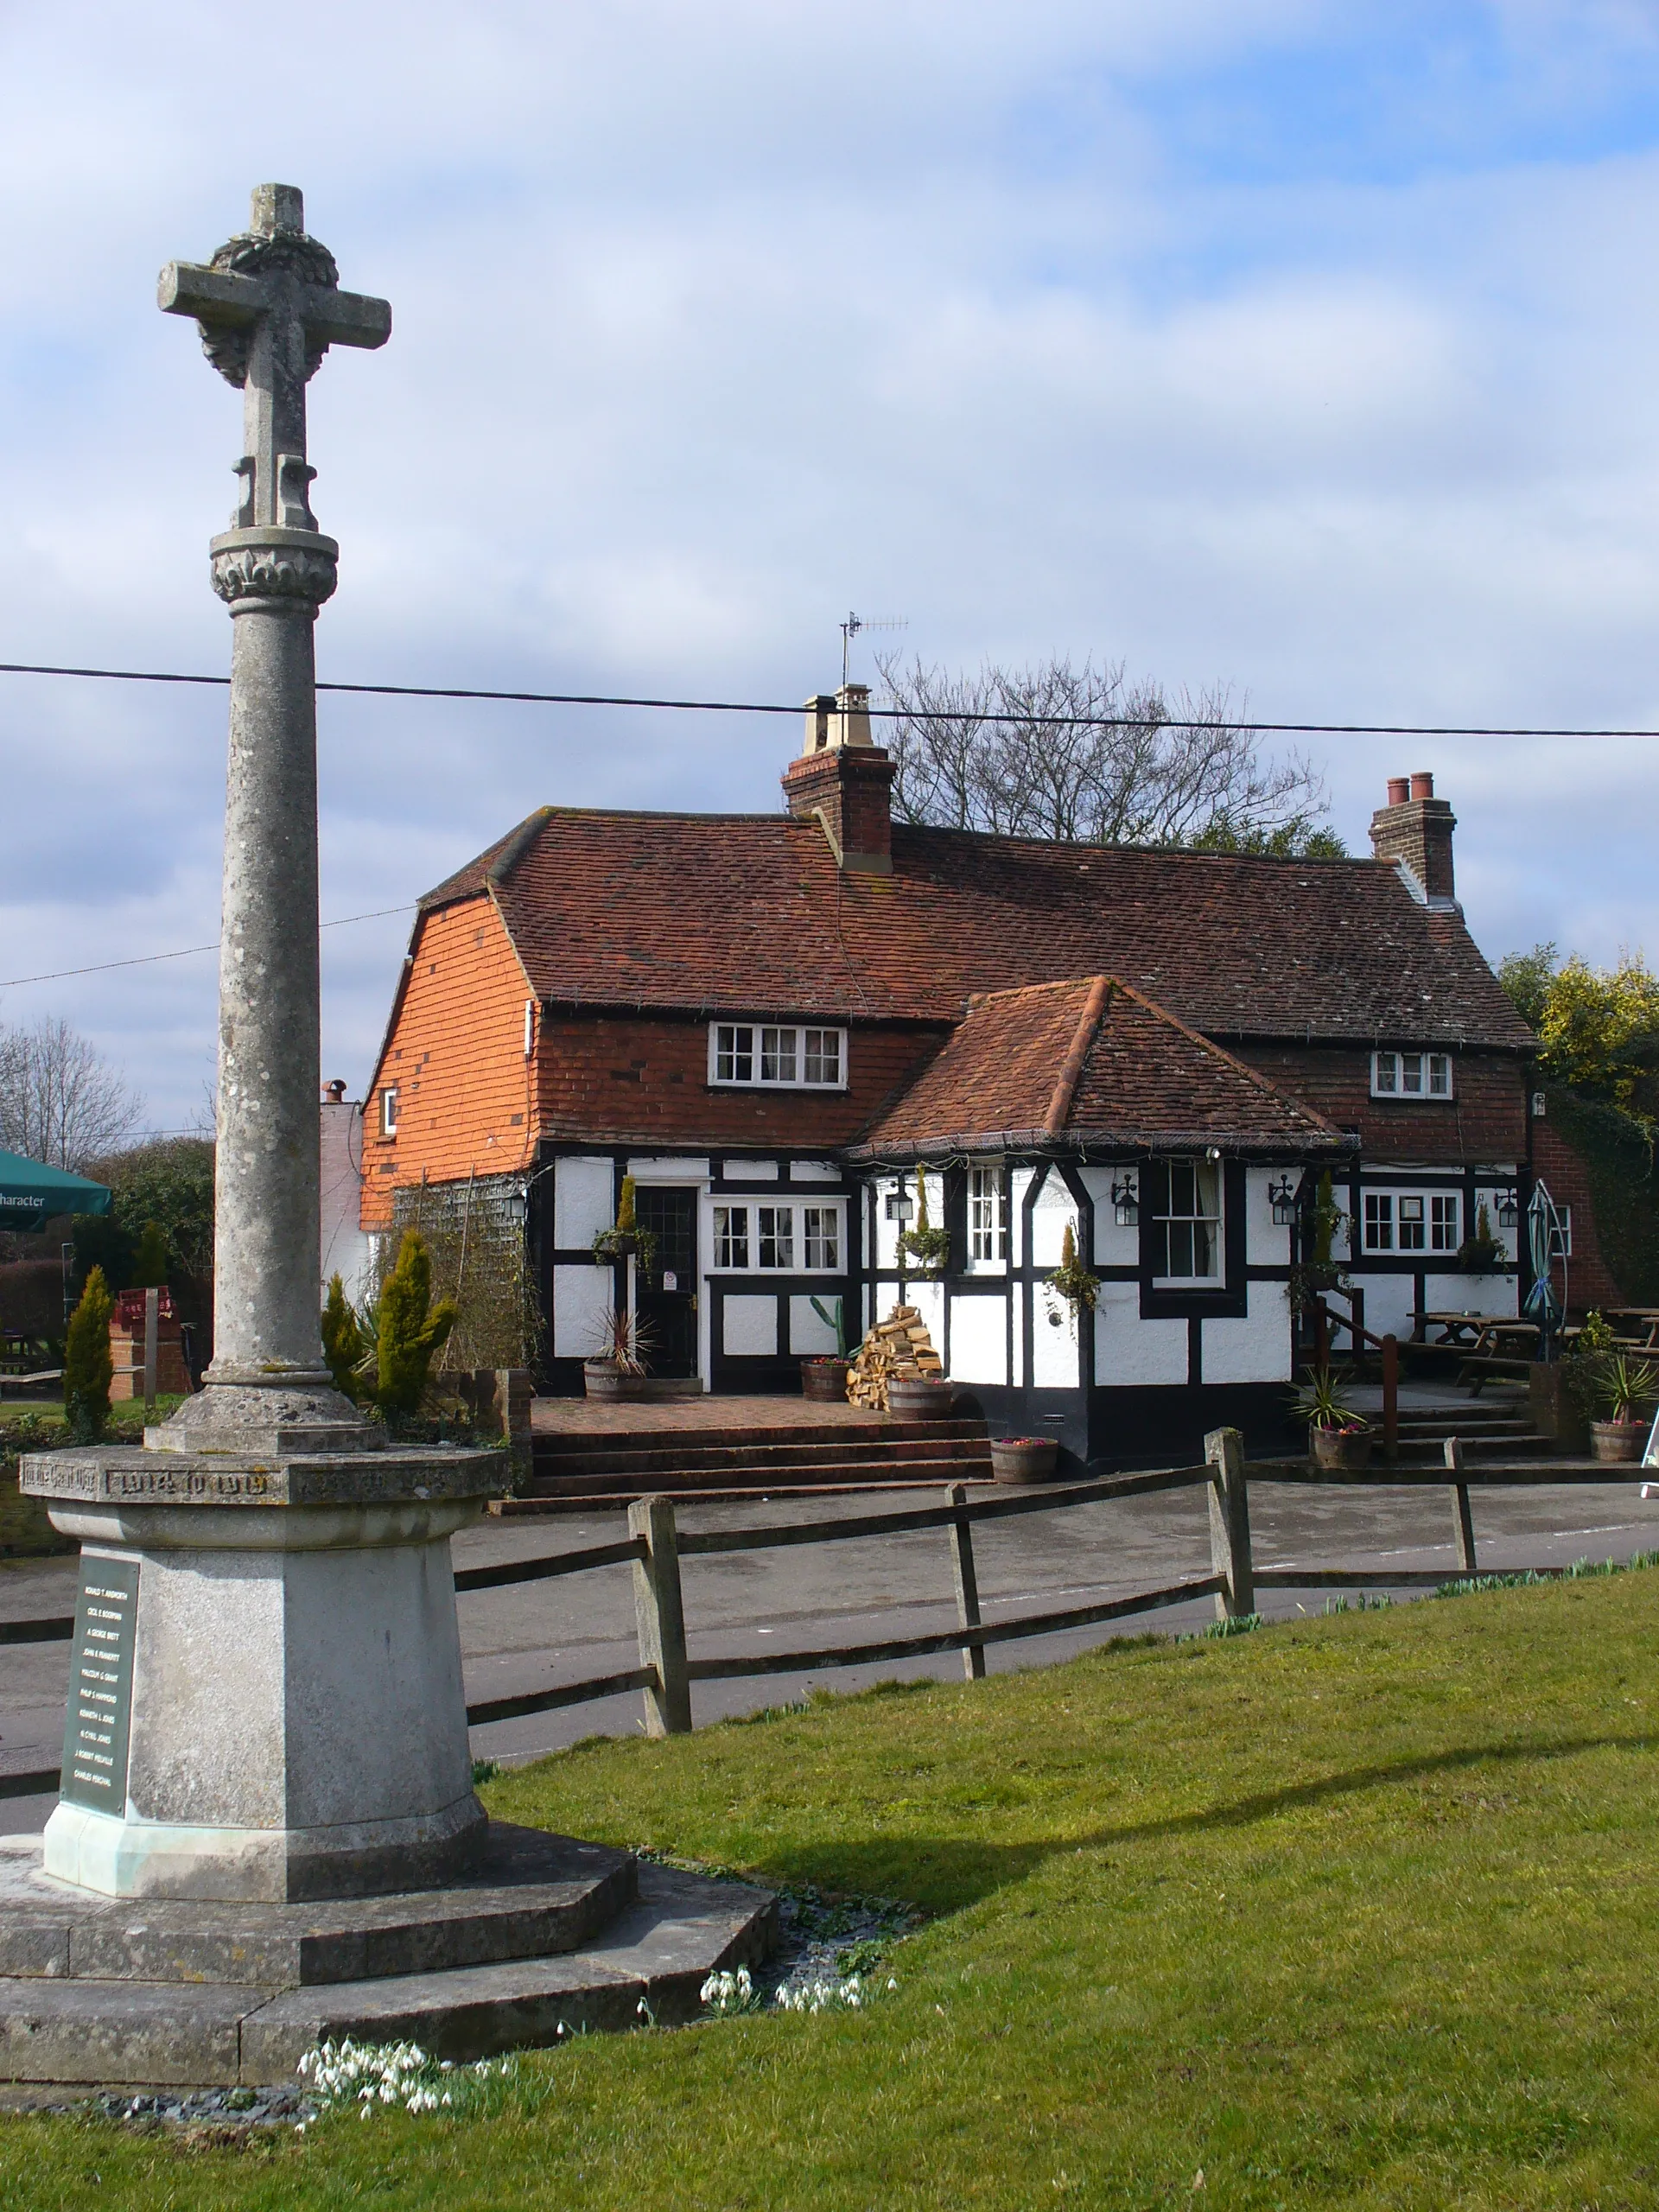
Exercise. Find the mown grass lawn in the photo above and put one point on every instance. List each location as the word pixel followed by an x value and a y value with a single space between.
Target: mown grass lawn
pixel 1360 1911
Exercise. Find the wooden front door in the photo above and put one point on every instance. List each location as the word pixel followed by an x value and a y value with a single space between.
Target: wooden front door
pixel 667 1294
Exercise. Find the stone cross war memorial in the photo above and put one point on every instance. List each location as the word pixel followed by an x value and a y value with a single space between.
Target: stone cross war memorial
pixel 267 1831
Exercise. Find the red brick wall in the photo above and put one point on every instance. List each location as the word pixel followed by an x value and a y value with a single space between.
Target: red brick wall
pixel 622 1078
pixel 456 1053
pixel 1486 1119
pixel 1588 1280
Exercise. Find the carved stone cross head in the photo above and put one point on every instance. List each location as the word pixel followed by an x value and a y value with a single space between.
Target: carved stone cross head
pixel 268 306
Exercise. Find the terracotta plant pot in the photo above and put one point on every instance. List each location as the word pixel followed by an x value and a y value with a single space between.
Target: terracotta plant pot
pixel 1617 1442
pixel 1340 1449
pixel 602 1378
pixel 912 1398
pixel 1024 1459
pixel 824 1381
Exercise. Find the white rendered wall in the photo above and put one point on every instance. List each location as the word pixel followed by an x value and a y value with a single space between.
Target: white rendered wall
pixel 928 1299
pixel 751 1171
pixel 807 1333
pixel 1390 1303
pixel 1054 1349
pixel 1253 1348
pixel 979 1339
pixel 581 1298
pixel 345 1248
pixel 1020 1181
pixel 1113 1247
pixel 584 1200
pixel 750 1327
pixel 1462 1293
pixel 1055 1211
pixel 1128 1350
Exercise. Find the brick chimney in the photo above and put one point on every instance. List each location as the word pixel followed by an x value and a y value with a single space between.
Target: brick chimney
pixel 846 781
pixel 1415 829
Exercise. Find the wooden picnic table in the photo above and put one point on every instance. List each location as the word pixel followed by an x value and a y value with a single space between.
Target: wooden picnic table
pixel 1644 1336
pixel 1476 1333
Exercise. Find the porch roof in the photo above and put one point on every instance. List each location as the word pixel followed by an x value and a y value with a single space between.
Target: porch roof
pixel 1091 1063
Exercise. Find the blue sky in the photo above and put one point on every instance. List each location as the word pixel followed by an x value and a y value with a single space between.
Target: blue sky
pixel 1306 348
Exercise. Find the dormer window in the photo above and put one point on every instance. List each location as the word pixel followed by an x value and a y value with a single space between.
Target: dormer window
pixel 389 1110
pixel 780 1056
pixel 1411 1075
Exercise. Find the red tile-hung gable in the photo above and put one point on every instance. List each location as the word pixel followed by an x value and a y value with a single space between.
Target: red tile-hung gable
pixel 620 1078
pixel 1485 1120
pixel 456 1051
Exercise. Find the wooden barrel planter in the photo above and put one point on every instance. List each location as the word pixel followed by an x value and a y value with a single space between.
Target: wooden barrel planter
pixel 1345 1450
pixel 824 1381
pixel 602 1378
pixel 1617 1443
pixel 1024 1459
pixel 910 1398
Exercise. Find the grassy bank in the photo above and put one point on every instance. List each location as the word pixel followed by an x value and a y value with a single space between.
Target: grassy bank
pixel 1355 1912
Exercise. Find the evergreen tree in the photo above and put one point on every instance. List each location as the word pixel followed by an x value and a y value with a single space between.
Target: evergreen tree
pixel 88 1369
pixel 149 1261
pixel 408 1328
pixel 344 1342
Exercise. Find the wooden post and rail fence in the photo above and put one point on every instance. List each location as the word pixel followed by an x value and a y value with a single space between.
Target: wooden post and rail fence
pixel 655 1547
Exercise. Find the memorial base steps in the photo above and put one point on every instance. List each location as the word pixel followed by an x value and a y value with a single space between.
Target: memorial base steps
pixel 548 1938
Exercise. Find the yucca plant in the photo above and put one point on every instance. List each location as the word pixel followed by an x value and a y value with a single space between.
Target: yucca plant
pixel 1626 1387
pixel 1321 1403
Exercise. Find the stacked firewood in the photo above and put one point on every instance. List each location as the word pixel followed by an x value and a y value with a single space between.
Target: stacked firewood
pixel 900 1346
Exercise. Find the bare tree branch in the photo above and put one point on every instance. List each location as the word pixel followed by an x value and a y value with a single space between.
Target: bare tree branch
pixel 1080 754
pixel 61 1101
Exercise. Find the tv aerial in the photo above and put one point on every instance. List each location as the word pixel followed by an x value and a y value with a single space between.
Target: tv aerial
pixel 853 624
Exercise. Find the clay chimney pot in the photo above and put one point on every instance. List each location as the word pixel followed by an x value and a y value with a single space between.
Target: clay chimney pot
pixel 1399 789
pixel 1422 784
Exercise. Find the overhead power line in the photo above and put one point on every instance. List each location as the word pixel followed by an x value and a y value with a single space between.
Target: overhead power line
pixel 881 714
pixel 184 953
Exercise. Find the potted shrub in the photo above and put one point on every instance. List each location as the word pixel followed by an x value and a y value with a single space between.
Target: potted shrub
pixel 1479 1253
pixel 1072 1280
pixel 617 1367
pixel 823 1375
pixel 1023 1458
pixel 1337 1436
pixel 1624 1389
pixel 928 1247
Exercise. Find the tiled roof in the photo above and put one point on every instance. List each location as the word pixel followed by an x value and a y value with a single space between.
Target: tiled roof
pixel 747 913
pixel 1088 1062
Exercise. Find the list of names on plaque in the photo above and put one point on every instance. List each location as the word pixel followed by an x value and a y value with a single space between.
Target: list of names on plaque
pixel 100 1686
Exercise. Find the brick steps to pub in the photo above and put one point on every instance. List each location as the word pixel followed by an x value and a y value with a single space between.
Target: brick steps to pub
pixel 830 1457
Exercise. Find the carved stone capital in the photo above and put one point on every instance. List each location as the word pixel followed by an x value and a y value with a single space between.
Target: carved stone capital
pixel 298 566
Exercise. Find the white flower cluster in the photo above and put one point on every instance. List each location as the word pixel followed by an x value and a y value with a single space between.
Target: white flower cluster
pixel 826 1995
pixel 369 2074
pixel 730 1992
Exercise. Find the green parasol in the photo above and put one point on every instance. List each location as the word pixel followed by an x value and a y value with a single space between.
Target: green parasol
pixel 31 1193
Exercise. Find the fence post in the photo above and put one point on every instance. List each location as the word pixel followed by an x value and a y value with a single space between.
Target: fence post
pixel 1390 1398
pixel 961 1559
pixel 659 1610
pixel 1461 1513
pixel 1230 1523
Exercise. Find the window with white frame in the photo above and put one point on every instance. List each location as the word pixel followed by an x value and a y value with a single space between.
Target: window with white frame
pixel 1560 1236
pixel 1184 1220
pixel 778 1239
pixel 1411 1075
pixel 1411 1221
pixel 389 1110
pixel 987 1214
pixel 777 1055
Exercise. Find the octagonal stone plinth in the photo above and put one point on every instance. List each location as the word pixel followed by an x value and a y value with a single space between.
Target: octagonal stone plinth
pixel 266 1696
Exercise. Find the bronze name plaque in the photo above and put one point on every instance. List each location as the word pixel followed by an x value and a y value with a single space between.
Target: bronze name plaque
pixel 99 1718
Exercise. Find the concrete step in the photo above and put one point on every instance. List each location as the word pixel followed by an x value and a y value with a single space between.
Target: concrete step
pixel 698 1458
pixel 530 1895
pixel 704 1482
pixel 89 2029
pixel 1421 1450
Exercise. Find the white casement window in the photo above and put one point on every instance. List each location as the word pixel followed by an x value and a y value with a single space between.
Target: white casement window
pixel 389 1110
pixel 1411 1075
pixel 778 1239
pixel 1411 1221
pixel 987 1214
pixel 731 1237
pixel 1560 1240
pixel 1186 1221
pixel 777 1055
pixel 821 1240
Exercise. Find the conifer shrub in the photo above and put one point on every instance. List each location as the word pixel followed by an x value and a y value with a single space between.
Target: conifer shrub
pixel 409 1329
pixel 344 1341
pixel 88 1369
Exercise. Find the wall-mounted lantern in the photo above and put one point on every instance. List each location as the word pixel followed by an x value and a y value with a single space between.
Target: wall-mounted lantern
pixel 1126 1203
pixel 1509 1211
pixel 1282 1199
